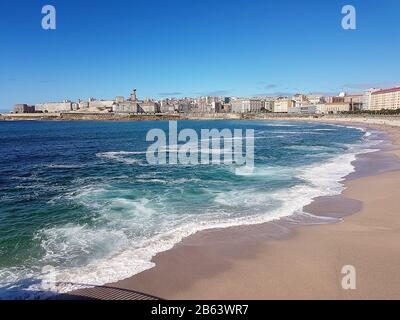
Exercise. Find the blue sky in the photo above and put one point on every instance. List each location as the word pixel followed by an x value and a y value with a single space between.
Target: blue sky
pixel 194 47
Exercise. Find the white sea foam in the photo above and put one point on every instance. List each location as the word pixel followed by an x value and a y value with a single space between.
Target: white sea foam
pixel 122 156
pixel 280 125
pixel 168 181
pixel 265 171
pixel 63 166
pixel 196 148
pixel 350 127
pixel 311 148
pixel 298 132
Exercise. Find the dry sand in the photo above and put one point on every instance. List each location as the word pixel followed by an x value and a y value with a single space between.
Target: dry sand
pixel 282 260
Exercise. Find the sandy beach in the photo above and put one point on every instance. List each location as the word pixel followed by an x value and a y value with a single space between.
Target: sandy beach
pixel 288 260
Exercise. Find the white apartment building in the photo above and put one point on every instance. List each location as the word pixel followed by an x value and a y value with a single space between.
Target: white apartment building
pixel 282 105
pixel 149 107
pixel 382 99
pixel 54 107
pixel 315 99
pixel 246 105
pixel 303 109
pixel 300 99
pixel 216 107
pixel 125 107
pixel 119 99
pixel 100 105
pixel 334 107
pixel 167 107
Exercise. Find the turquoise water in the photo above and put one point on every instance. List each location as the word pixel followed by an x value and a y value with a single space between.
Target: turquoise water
pixel 81 197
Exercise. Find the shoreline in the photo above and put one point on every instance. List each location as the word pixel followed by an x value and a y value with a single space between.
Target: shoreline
pixel 209 258
pixel 363 119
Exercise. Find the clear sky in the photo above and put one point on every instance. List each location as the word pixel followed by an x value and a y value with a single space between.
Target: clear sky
pixel 194 47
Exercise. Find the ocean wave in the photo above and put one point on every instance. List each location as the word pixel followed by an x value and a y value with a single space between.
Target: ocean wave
pixel 281 125
pixel 121 156
pixel 63 166
pixel 298 132
pixel 313 148
pixel 265 171
pixel 168 181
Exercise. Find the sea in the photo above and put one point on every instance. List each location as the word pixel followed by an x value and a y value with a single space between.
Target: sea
pixel 79 198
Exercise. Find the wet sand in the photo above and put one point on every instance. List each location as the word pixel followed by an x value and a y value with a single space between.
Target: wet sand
pixel 295 258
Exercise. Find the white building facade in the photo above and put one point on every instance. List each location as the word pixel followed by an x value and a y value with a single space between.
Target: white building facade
pixel 246 105
pixel 282 105
pixel 376 100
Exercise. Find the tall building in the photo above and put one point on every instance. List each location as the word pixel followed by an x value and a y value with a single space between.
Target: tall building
pixel 167 106
pixel 300 99
pixel 149 106
pixel 282 105
pixel 119 99
pixel 133 95
pixel 125 107
pixel 100 105
pixel 246 105
pixel 54 107
pixel 315 99
pixel 333 107
pixel 355 101
pixel 382 99
pixel 303 109
pixel 216 107
pixel 24 108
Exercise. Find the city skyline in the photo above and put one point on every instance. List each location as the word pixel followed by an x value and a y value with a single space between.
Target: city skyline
pixel 202 49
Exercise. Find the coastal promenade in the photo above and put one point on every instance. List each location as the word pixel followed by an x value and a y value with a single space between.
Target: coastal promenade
pixel 389 120
pixel 87 117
